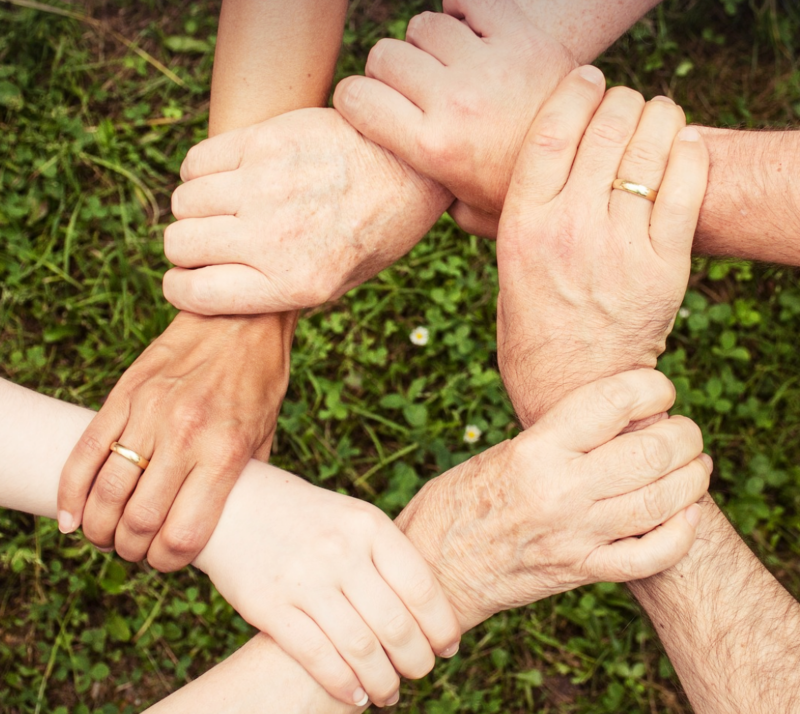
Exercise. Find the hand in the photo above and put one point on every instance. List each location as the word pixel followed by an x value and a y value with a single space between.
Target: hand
pixel 456 99
pixel 591 278
pixel 289 214
pixel 198 403
pixel 562 504
pixel 333 581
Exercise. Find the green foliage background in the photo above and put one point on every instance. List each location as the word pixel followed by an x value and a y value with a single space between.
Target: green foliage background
pixel 92 134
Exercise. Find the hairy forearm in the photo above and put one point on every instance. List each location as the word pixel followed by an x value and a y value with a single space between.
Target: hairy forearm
pixel 587 27
pixel 751 207
pixel 730 629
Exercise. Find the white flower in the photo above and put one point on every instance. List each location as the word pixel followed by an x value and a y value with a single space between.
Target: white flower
pixel 684 312
pixel 420 336
pixel 471 434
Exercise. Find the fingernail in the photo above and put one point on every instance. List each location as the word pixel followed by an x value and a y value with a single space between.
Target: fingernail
pixel 690 133
pixel 708 461
pixel 105 550
pixel 360 697
pixel 593 75
pixel 450 651
pixel 391 701
pixel 662 98
pixel 66 522
pixel 693 515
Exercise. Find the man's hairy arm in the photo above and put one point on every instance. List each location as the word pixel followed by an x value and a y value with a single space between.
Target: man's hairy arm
pixel 751 207
pixel 729 627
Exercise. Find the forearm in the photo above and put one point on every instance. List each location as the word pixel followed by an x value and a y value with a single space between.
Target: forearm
pixel 273 57
pixel 730 629
pixel 586 28
pixel 751 207
pixel 29 473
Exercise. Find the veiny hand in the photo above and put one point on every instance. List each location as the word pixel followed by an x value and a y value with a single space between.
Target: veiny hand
pixel 289 214
pixel 456 99
pixel 198 403
pixel 591 278
pixel 333 581
pixel 562 504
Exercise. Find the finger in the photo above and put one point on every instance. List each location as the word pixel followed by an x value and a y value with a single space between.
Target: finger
pixel 200 242
pixel 677 208
pixel 406 69
pixel 113 487
pixel 216 155
pixel 357 644
pixel 474 221
pixel 86 460
pixel 214 195
pixel 406 572
pixel 224 290
pixel 604 144
pixel 194 514
pixel 302 639
pixel 393 625
pixel 548 153
pixel 661 548
pixel 634 460
pixel 443 36
pixel 595 413
pixel 486 18
pixel 383 115
pixel 645 159
pixel 149 504
pixel 635 513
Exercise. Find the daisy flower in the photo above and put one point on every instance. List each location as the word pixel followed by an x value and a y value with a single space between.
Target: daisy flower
pixel 471 434
pixel 420 336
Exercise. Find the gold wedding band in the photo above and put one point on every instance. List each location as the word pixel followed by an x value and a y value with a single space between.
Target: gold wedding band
pixel 130 455
pixel 636 189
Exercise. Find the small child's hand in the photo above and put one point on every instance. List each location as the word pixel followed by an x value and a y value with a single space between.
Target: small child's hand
pixel 333 581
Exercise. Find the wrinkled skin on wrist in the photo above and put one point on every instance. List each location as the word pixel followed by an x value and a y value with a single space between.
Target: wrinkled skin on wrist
pixel 199 402
pixel 456 99
pixel 528 519
pixel 291 213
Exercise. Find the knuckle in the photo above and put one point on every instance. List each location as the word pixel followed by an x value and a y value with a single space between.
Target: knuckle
pixel 189 418
pixel 190 165
pixel 363 645
pixel 418 24
pixel 617 394
pixel 143 519
pixel 316 650
pixel 466 104
pixel 548 140
pixel 609 131
pixel 178 203
pixel 399 629
pixel 112 486
pixel 644 155
pixel 654 453
pixel 182 540
pixel 89 447
pixel 424 591
pixel 377 55
pixel 653 504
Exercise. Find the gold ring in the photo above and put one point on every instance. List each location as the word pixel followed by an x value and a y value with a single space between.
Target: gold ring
pixel 636 189
pixel 130 455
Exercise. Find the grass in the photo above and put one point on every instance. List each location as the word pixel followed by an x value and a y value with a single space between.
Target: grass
pixel 92 132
